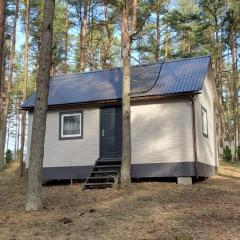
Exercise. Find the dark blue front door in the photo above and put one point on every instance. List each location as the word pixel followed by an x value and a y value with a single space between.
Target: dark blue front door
pixel 111 132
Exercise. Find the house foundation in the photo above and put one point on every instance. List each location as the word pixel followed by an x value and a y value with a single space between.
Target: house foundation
pixel 184 180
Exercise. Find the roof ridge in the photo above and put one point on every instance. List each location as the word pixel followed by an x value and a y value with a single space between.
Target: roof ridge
pixel 134 66
pixel 77 73
pixel 188 58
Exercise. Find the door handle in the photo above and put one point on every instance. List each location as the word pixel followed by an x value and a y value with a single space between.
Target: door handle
pixel 103 132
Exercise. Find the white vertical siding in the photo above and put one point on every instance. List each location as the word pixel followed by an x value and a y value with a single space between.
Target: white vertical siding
pixel 162 132
pixel 206 148
pixel 74 152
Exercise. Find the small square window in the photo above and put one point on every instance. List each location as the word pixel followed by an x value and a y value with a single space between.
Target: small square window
pixel 70 125
pixel 204 122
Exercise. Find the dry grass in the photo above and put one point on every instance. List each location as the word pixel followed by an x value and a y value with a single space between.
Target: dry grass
pixel 206 210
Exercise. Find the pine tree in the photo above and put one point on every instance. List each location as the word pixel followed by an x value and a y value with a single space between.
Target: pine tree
pixel 9 84
pixel 2 94
pixel 34 184
pixel 25 84
pixel 128 29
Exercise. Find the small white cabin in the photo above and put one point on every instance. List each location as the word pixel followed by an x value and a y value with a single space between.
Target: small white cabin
pixel 173 129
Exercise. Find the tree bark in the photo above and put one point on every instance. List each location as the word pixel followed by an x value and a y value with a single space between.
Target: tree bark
pixel 2 30
pixel 158 30
pixel 104 56
pixel 66 39
pixel 2 67
pixel 82 53
pixel 8 132
pixel 126 33
pixel 233 47
pixel 17 130
pixel 166 44
pixel 25 86
pixel 34 182
pixel 3 140
pixel 4 109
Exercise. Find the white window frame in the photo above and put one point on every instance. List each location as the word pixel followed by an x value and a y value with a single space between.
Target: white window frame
pixel 204 127
pixel 71 136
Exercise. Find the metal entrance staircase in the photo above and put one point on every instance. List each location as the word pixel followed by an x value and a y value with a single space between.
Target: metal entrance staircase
pixel 104 174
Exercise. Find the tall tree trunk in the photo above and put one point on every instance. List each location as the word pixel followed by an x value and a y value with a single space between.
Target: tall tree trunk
pixel 228 100
pixel 17 129
pixel 2 30
pixel 8 132
pixel 218 67
pixel 104 56
pixel 82 54
pixel 126 34
pixel 90 43
pixel 3 139
pixel 2 68
pixel 18 132
pixel 158 30
pixel 34 183
pixel 225 77
pixel 25 86
pixel 66 39
pixel 233 47
pixel 166 44
pixel 4 111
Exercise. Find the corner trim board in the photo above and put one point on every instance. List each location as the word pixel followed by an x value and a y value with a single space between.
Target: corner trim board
pixel 195 153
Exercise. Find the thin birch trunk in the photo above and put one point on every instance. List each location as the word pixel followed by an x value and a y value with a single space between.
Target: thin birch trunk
pixel 34 182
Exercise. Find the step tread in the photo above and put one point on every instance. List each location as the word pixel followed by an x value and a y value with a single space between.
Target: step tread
pixel 100 177
pixel 107 166
pixel 103 173
pixel 98 184
pixel 106 161
pixel 106 171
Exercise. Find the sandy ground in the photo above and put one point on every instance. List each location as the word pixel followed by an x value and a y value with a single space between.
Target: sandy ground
pixel 207 210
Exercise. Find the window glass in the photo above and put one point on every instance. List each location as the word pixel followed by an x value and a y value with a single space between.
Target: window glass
pixel 204 122
pixel 71 125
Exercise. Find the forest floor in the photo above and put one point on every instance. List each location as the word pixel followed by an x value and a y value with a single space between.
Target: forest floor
pixel 209 209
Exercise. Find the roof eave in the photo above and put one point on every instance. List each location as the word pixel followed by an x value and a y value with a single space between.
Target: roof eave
pixel 117 101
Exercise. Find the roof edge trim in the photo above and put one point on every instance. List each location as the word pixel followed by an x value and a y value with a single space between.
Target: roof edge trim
pixel 117 101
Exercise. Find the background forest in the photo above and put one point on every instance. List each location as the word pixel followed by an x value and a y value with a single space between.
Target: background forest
pixel 87 37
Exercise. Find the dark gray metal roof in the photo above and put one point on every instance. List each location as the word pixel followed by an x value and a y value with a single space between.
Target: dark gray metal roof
pixel 171 77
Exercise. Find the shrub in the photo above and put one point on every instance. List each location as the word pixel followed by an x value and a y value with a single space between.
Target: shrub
pixel 8 156
pixel 227 155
